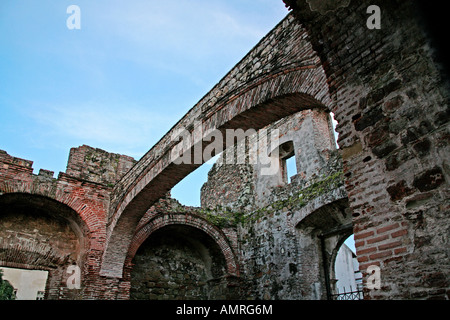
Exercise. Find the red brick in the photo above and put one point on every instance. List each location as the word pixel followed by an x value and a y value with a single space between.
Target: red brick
pixel 362 259
pixel 399 233
pixel 377 239
pixel 380 255
pixel 388 228
pixel 363 235
pixel 390 245
pixel 359 244
pixel 400 250
pixel 366 250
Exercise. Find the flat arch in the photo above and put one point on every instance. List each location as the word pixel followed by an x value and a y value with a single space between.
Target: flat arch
pixel 261 101
pixel 198 223
pixel 155 174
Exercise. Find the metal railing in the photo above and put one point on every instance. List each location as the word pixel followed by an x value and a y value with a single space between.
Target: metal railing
pixel 348 295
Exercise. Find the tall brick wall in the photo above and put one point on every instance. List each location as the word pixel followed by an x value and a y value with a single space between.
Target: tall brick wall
pixel 391 103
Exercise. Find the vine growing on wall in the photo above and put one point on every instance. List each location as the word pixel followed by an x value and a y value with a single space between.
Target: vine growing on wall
pixel 6 289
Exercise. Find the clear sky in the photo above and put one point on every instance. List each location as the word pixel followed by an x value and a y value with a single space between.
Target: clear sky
pixel 123 79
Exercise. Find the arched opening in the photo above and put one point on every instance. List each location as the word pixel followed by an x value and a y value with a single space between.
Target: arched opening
pixel 159 172
pixel 321 232
pixel 178 262
pixel 40 236
pixel 346 279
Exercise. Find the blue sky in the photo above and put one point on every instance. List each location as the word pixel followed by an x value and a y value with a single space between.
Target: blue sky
pixel 121 81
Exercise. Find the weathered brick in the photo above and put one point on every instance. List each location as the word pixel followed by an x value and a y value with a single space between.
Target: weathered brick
pixel 390 245
pixel 429 180
pixel 380 255
pixel 377 239
pixel 388 228
pixel 399 191
pixel 399 233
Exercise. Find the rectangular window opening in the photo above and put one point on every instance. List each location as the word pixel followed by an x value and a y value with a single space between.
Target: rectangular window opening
pixel 291 168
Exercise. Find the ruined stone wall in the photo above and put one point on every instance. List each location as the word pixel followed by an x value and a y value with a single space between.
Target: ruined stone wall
pixel 229 185
pixel 97 165
pixel 236 180
pixel 279 258
pixel 77 200
pixel 310 134
pixel 280 249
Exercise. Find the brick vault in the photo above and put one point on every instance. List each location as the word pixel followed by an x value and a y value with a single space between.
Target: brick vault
pixel 256 235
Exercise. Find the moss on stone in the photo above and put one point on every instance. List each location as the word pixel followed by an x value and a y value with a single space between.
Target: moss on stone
pixel 226 217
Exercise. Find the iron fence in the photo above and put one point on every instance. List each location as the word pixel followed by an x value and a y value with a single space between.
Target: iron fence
pixel 350 295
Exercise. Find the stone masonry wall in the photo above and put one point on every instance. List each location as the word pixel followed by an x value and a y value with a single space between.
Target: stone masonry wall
pixel 229 185
pixel 280 249
pixel 279 259
pixel 97 165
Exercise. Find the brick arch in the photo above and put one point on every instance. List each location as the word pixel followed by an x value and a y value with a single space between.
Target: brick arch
pixel 199 223
pixel 87 213
pixel 56 209
pixel 252 95
pixel 154 175
pixel 305 217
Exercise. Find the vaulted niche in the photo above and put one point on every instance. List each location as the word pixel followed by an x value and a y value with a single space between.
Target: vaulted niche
pixel 39 233
pixel 178 262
